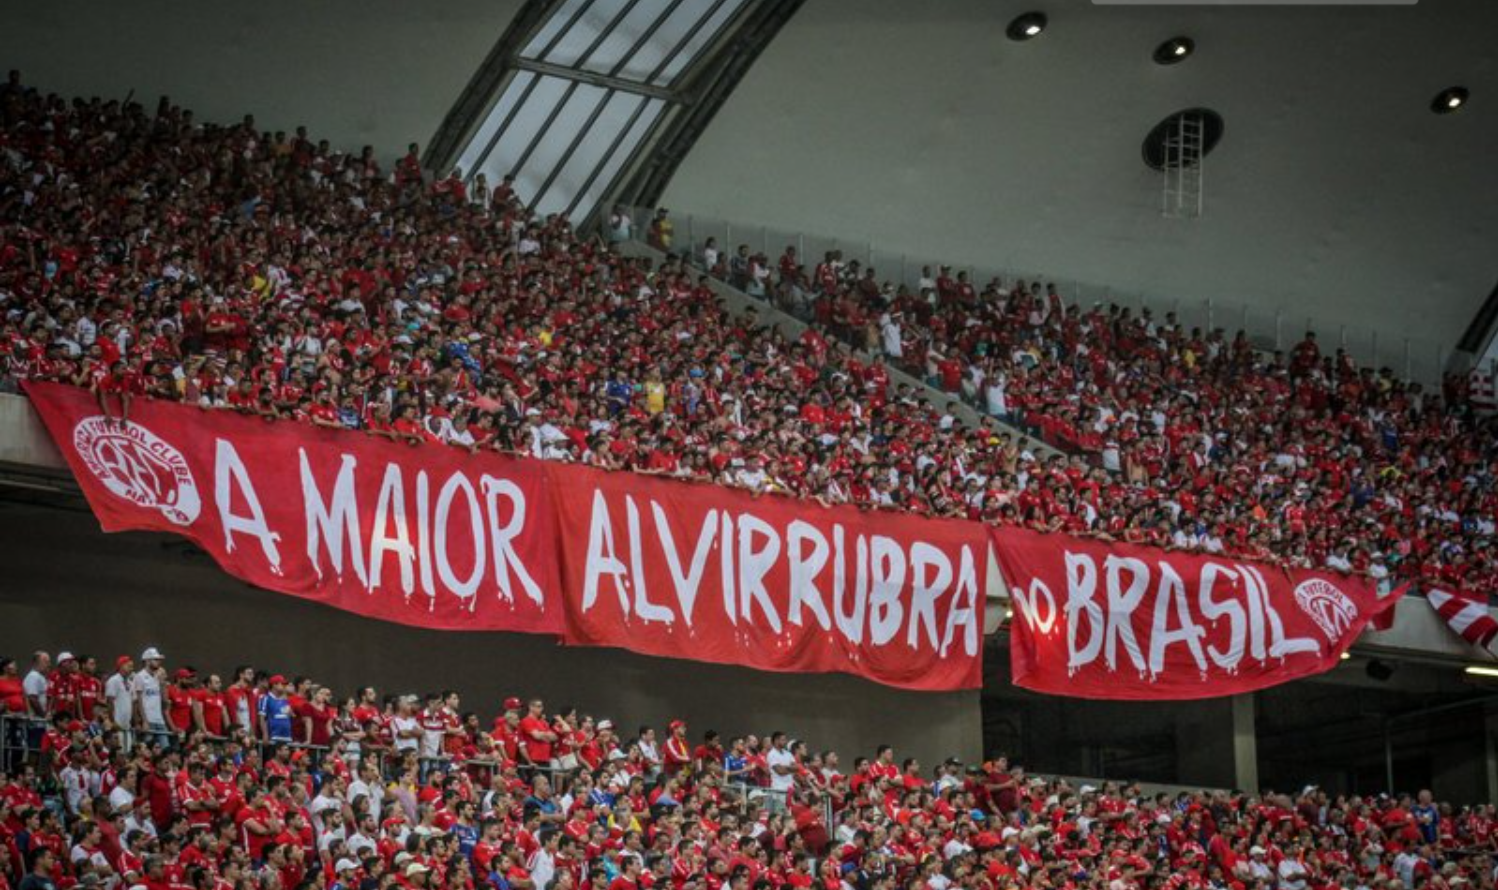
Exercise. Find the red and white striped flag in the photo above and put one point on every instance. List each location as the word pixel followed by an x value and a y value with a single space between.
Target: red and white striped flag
pixel 1467 614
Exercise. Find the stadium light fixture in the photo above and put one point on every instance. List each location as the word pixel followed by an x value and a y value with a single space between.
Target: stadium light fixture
pixel 1481 670
pixel 1027 26
pixel 1174 51
pixel 1449 100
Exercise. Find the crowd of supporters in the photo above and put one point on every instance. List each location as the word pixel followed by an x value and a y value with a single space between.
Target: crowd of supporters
pixel 171 779
pixel 1207 442
pixel 146 254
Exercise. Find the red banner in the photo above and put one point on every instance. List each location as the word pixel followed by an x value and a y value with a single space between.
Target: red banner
pixel 1109 620
pixel 715 574
pixel 436 537
pixel 432 536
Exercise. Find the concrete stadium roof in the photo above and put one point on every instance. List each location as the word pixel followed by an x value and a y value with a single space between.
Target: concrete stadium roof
pixel 357 72
pixel 1336 196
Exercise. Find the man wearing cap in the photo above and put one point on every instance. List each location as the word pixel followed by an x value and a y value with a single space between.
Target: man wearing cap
pixel 506 731
pixel 596 745
pixel 145 686
pixel 677 753
pixel 345 873
pixel 275 713
pixel 62 686
pixel 1257 868
pixel 416 875
pixel 180 696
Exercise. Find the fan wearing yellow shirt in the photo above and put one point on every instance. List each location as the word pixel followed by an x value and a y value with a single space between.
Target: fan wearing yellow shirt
pixel 655 393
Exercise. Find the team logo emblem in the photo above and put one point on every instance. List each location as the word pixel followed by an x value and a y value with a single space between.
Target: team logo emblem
pixel 1329 607
pixel 139 466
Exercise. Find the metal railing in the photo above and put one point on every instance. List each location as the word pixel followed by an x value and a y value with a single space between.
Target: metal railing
pixel 21 745
pixel 21 738
pixel 1417 359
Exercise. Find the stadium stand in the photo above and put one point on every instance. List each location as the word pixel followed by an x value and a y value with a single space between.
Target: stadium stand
pixel 148 255
pixel 1208 443
pixel 170 779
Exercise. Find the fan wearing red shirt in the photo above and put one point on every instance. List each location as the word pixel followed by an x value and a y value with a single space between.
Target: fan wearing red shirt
pixel 629 878
pixel 536 736
pixel 89 688
pixel 257 826
pixel 676 754
pixel 884 766
pixel 157 788
pixel 243 701
pixel 506 731
pixel 225 788
pixel 123 383
pixel 711 749
pixel 62 686
pixel 317 715
pixel 180 698
pixel 12 691
pixel 212 711
pixel 195 795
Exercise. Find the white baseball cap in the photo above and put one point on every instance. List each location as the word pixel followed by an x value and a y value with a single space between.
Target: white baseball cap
pixel 346 865
pixel 151 653
pixel 65 656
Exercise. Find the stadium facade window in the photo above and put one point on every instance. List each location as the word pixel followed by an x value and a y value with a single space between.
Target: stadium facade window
pixel 586 91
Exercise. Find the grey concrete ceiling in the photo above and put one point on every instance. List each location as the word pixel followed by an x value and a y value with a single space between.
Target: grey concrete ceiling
pixel 378 72
pixel 1335 195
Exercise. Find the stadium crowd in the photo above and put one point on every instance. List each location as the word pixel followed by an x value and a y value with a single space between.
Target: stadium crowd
pixel 167 780
pixel 1208 442
pixel 151 255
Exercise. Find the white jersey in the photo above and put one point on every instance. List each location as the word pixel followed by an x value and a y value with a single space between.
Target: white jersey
pixel 147 688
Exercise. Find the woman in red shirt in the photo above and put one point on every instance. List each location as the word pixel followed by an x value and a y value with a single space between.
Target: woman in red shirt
pixel 318 715
pixel 12 695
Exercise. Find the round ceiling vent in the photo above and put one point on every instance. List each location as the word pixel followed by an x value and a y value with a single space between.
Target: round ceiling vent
pixel 1209 122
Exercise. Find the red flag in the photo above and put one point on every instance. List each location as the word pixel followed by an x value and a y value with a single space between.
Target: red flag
pixel 1467 614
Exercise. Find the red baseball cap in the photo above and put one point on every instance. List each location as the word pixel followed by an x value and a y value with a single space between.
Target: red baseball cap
pixel 122 661
pixel 277 679
pixel 678 724
pixel 512 704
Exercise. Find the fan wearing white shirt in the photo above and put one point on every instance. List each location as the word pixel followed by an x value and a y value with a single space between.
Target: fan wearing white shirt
pixel 782 765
